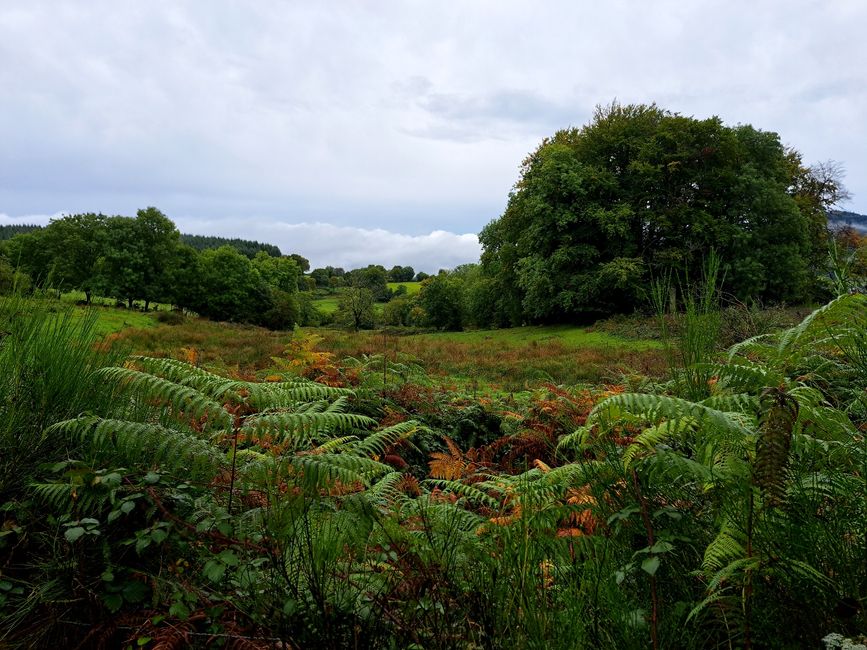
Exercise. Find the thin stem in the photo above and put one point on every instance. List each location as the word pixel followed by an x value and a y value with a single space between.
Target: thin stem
pixel 234 460
pixel 654 598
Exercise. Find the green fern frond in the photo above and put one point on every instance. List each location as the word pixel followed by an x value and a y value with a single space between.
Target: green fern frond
pixel 57 495
pixel 469 492
pixel 777 422
pixel 654 408
pixel 575 440
pixel 376 443
pixel 180 372
pixel 385 490
pixel 744 376
pixel 135 441
pixel 320 470
pixel 285 394
pixel 726 548
pixel 334 445
pixel 648 439
pixel 838 310
pixel 290 424
pixel 182 398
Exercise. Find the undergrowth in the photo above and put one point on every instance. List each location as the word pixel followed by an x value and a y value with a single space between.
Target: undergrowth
pixel 317 500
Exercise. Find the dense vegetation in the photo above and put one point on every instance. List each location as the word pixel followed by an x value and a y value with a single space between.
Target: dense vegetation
pixel 350 503
pixel 8 231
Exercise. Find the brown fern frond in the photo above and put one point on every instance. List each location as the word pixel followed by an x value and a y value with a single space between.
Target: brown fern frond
pixel 452 465
pixel 408 484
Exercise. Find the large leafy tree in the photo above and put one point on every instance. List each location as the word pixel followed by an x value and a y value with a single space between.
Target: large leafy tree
pixel 75 243
pixel 373 277
pixel 280 272
pixel 229 286
pixel 640 191
pixel 138 256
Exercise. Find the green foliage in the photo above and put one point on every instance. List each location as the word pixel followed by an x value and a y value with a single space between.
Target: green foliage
pixel 47 373
pixel 441 297
pixel 401 274
pixel 642 191
pixel 282 273
pixel 12 281
pixel 374 278
pixel 8 231
pixel 309 514
pixel 229 286
pixel 355 308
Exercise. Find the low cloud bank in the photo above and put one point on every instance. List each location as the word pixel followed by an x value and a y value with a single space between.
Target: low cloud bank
pixel 348 247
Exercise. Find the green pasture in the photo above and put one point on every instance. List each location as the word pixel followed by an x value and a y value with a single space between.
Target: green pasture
pixel 412 288
pixel 110 320
pixel 566 335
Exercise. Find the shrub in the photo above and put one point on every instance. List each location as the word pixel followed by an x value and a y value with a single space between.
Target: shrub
pixel 173 317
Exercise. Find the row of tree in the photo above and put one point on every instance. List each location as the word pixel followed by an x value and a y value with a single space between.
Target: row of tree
pixel 450 300
pixel 332 278
pixel 143 258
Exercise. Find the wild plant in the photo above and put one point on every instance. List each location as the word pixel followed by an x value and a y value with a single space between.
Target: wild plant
pixel 279 477
pixel 767 463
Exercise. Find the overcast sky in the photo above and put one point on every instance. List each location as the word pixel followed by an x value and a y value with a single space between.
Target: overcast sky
pixel 373 132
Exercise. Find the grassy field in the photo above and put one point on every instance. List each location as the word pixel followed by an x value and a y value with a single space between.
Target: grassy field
pixel 78 296
pixel 327 304
pixel 511 359
pixel 412 288
pixel 240 350
pixel 110 320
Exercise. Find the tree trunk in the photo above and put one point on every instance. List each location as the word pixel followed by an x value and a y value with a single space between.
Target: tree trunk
pixel 129 302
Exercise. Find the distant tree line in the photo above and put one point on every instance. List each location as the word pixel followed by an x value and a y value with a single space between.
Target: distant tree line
pixel 331 277
pixel 243 246
pixel 9 231
pixel 144 258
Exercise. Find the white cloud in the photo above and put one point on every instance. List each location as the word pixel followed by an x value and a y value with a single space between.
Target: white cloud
pixel 28 219
pixel 348 247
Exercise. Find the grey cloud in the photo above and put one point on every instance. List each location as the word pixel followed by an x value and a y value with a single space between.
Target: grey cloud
pixel 408 117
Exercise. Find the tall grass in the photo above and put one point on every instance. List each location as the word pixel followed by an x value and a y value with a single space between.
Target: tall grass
pixel 46 362
pixel 697 326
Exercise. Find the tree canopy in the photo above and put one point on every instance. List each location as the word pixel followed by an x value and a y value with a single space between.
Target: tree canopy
pixel 144 258
pixel 639 192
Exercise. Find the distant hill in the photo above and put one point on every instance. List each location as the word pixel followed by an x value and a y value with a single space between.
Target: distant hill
pixel 843 218
pixel 243 246
pixel 8 232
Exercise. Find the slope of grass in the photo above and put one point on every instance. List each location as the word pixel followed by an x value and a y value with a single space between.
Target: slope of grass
pixel 110 320
pixel 412 288
pixel 78 296
pixel 327 304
